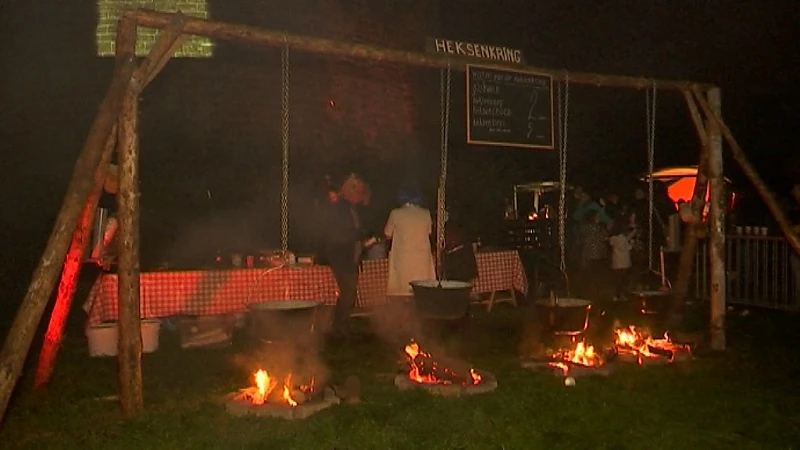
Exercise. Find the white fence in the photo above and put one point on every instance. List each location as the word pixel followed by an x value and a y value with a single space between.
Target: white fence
pixel 759 272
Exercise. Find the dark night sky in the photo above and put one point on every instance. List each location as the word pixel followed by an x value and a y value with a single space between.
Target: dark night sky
pixel 746 47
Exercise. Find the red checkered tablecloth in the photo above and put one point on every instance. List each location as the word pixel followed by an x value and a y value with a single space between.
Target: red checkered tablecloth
pixel 210 292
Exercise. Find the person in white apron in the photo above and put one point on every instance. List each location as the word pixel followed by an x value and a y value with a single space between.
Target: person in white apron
pixel 409 228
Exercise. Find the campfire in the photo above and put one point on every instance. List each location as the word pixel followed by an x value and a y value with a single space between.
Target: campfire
pixel 579 360
pixel 634 345
pixel 264 390
pixel 582 356
pixel 426 369
pixel 275 396
pixel 442 376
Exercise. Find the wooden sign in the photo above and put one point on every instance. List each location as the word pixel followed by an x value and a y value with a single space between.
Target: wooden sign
pixel 509 108
pixel 474 50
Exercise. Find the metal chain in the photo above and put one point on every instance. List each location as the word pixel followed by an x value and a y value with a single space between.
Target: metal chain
pixel 444 89
pixel 285 146
pixel 651 127
pixel 563 116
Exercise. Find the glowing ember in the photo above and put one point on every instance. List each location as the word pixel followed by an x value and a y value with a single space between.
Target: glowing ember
pixel 639 343
pixel 266 384
pixel 581 355
pixel 425 369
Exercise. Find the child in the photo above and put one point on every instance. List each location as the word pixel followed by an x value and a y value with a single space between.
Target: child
pixel 621 246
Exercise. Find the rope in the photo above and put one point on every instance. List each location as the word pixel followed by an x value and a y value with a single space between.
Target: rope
pixel 444 109
pixel 563 114
pixel 285 147
pixel 651 127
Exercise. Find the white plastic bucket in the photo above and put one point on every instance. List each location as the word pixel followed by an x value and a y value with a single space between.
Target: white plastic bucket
pixel 103 339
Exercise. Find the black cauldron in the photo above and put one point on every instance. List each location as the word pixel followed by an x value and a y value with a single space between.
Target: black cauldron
pixel 441 299
pixel 282 320
pixel 651 303
pixel 565 316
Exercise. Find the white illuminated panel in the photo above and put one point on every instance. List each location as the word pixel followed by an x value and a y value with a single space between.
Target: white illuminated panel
pixel 109 12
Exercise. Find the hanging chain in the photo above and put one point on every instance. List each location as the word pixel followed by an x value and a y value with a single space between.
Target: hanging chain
pixel 563 115
pixel 285 146
pixel 444 108
pixel 651 127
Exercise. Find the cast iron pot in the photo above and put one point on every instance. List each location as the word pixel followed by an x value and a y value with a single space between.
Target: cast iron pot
pixel 655 302
pixel 566 316
pixel 282 320
pixel 441 299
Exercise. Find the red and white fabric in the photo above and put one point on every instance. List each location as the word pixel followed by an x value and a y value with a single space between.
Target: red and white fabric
pixel 210 292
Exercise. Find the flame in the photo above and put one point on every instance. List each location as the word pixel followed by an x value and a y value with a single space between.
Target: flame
pixel 412 350
pixel 582 354
pixel 640 344
pixel 265 384
pixel 287 392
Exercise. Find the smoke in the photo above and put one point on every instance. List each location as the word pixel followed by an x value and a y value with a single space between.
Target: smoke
pixel 395 322
pixel 285 347
pixel 228 232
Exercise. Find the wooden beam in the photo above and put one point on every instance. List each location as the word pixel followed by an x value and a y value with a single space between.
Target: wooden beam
pixel 689 247
pixel 130 332
pixel 168 42
pixel 716 235
pixel 697 120
pixel 20 336
pixel 763 191
pixel 71 272
pixel 262 37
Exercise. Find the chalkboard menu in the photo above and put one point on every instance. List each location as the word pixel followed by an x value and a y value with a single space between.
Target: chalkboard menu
pixel 509 108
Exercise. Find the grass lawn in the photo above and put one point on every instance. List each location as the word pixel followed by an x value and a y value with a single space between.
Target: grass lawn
pixel 746 398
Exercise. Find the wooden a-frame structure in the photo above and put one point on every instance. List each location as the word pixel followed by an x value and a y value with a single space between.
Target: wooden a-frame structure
pixel 116 126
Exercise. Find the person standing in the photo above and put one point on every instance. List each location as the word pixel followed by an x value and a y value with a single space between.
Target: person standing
pixel 409 228
pixel 459 257
pixel 621 247
pixel 343 246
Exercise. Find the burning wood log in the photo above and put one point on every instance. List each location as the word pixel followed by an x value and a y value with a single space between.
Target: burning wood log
pixel 634 346
pixel 427 369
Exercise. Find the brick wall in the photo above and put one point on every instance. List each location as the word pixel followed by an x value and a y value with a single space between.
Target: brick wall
pixel 109 12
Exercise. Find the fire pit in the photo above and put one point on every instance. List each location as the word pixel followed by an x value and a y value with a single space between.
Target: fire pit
pixel 637 346
pixel 579 361
pixel 441 376
pixel 286 400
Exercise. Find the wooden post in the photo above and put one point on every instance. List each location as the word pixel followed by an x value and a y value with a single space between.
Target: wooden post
pixel 71 272
pixel 130 333
pixel 18 342
pixel 130 336
pixel 717 225
pixel 689 247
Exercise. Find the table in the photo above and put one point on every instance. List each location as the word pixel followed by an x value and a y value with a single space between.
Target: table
pixel 212 292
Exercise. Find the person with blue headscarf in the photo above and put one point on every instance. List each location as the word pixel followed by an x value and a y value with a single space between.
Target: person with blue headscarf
pixel 410 259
